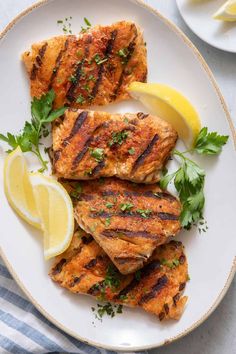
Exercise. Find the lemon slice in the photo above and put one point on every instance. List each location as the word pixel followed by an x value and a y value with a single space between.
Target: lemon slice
pixel 226 12
pixel 56 212
pixel 170 105
pixel 18 189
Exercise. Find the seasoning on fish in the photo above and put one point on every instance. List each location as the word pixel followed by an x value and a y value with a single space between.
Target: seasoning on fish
pixel 94 68
pixel 157 288
pixel 127 220
pixel 93 144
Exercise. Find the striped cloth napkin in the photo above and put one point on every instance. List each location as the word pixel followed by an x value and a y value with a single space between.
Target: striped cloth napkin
pixel 23 330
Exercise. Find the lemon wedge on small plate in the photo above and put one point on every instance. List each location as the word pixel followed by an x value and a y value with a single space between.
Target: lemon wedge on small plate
pixel 18 188
pixel 170 105
pixel 227 12
pixel 56 212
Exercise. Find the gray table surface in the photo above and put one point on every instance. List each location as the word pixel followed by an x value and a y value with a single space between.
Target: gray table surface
pixel 218 334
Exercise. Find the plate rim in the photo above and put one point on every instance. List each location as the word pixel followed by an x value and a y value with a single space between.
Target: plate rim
pixel 200 36
pixel 232 272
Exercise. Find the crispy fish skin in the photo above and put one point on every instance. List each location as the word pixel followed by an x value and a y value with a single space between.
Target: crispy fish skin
pixel 157 288
pixel 134 147
pixel 127 220
pixel 94 68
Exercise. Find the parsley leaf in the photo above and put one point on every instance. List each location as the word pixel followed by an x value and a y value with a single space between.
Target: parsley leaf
pixel 118 137
pixel 189 179
pixel 29 138
pixel 209 143
pixel 97 153
pixel 126 206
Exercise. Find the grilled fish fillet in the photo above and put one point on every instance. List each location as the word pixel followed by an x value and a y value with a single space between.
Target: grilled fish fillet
pixel 127 220
pixel 94 68
pixel 90 144
pixel 157 288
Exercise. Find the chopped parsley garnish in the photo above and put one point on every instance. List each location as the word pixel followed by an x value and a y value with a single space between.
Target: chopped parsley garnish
pixel 97 153
pixel 144 212
pixel 109 205
pixel 79 53
pixel 66 26
pixel 80 99
pixel 107 309
pixel 88 172
pixel 29 139
pixel 98 60
pixel 189 179
pixel 126 206
pixel 91 78
pixel 73 79
pixel 118 137
pixel 112 278
pixel 107 221
pixel 137 275
pixel 171 264
pixel 88 25
pixel 77 191
pixel 132 151
pixel 126 120
pixel 123 53
pixel 123 297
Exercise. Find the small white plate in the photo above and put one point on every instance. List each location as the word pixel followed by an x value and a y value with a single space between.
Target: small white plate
pixel 198 16
pixel 172 59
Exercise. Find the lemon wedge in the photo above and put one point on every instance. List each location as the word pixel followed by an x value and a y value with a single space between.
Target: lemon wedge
pixel 56 212
pixel 18 189
pixel 170 105
pixel 226 12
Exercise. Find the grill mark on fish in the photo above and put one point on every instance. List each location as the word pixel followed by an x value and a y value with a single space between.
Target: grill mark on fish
pixel 56 155
pixel 38 61
pixel 58 63
pixel 110 233
pixel 78 71
pixel 98 168
pixel 182 286
pixel 81 154
pixel 91 264
pixel 76 127
pixel 59 266
pixel 156 289
pixel 108 51
pixel 130 50
pixel 182 259
pixel 87 240
pixel 145 153
pixel 148 194
pixel 176 298
pixel 86 197
pixel 145 272
pixel 76 281
pixel 95 289
pixel 161 216
pixel 142 115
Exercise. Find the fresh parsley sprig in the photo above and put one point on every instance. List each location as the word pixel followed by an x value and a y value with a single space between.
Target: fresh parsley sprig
pixel 189 179
pixel 29 138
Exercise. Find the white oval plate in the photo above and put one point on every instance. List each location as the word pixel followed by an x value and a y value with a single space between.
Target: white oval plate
pixel 172 59
pixel 198 16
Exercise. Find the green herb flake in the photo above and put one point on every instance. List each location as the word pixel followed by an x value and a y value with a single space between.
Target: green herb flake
pixel 126 120
pixel 109 205
pixel 138 275
pixel 126 206
pixel 98 60
pixel 59 21
pixel 132 151
pixel 145 213
pixel 73 79
pixel 80 99
pixel 118 137
pixel 97 154
pixel 107 221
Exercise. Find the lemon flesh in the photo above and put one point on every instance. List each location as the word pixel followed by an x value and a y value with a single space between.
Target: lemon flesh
pixel 226 12
pixel 56 212
pixel 18 188
pixel 170 105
